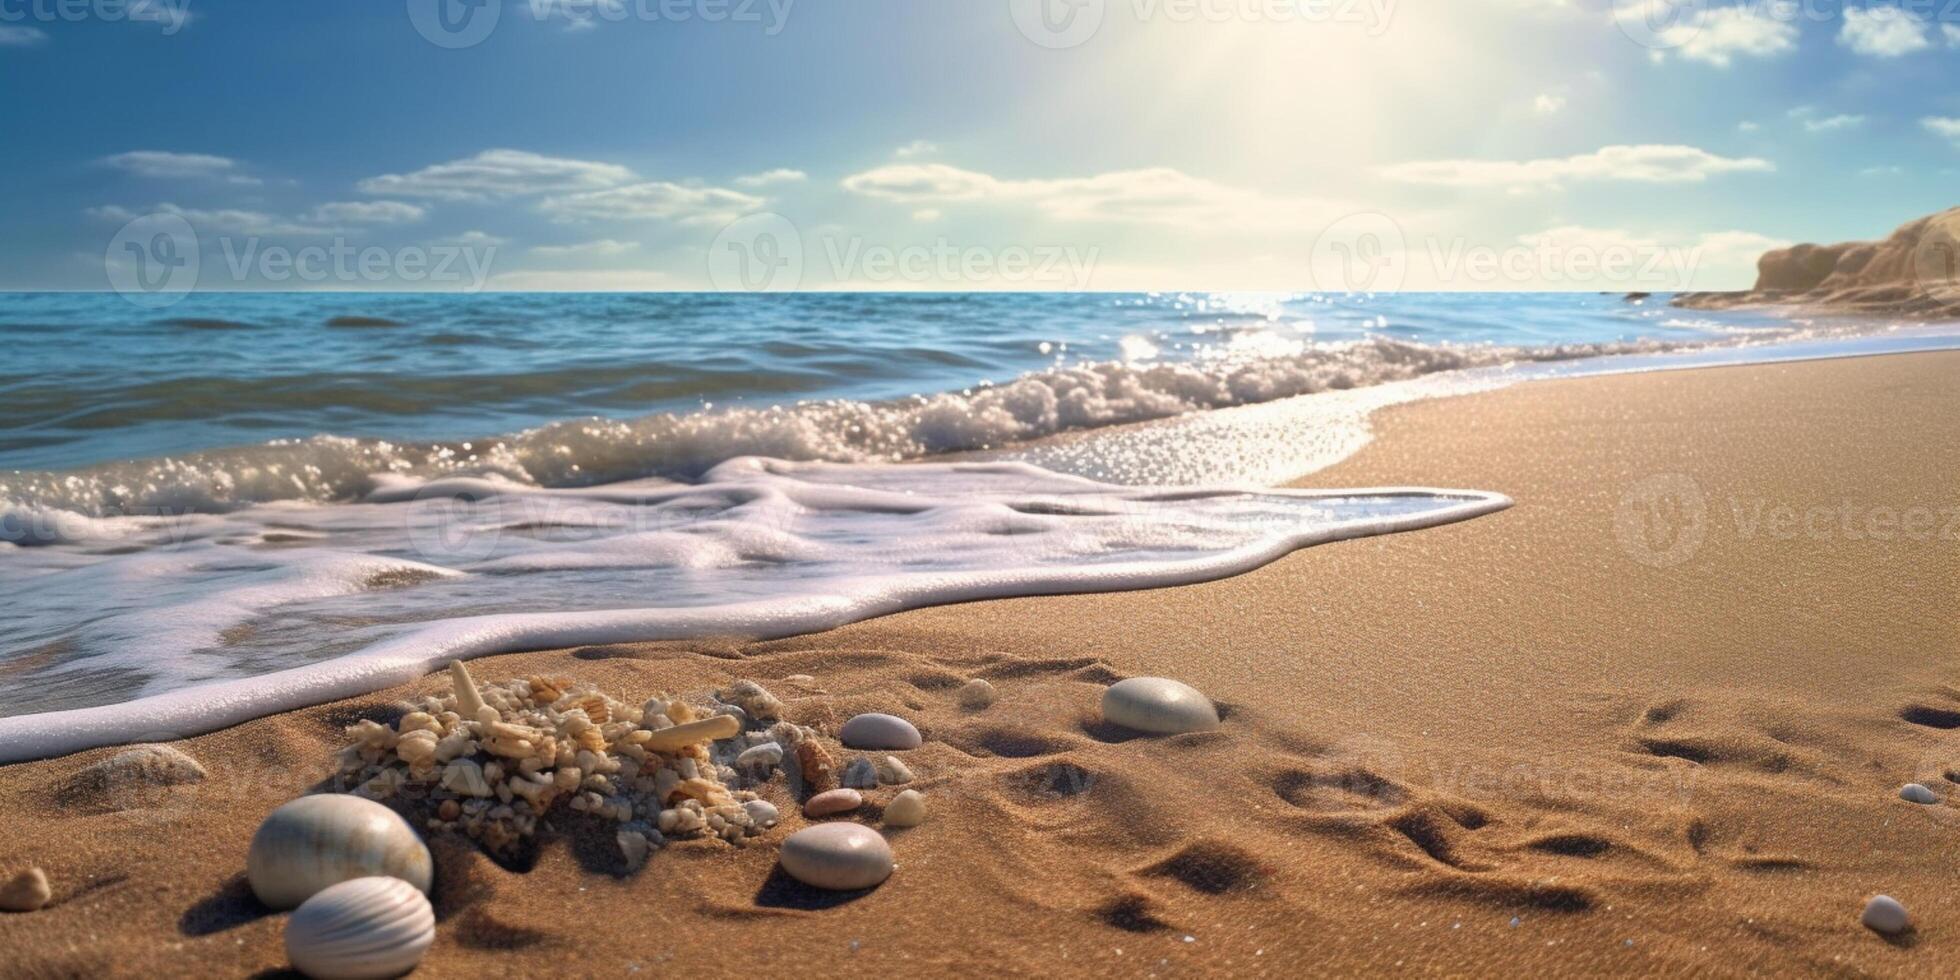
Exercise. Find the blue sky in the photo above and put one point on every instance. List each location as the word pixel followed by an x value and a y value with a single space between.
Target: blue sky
pixel 623 144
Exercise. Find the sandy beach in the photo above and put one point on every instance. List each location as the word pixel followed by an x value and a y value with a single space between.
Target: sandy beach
pixel 1654 718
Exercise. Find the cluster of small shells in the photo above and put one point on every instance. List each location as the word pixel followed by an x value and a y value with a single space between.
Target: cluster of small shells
pixel 493 761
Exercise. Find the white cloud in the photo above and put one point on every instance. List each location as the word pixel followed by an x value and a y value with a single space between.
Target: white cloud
pixel 215 221
pixel 1946 126
pixel 475 239
pixel 1883 32
pixel 1548 104
pixel 1714 36
pixel 653 200
pixel 916 148
pixel 1891 170
pixel 927 215
pixel 496 174
pixel 21 37
pixel 604 246
pixel 1952 33
pixel 167 165
pixel 1155 196
pixel 1650 164
pixel 1747 126
pixel 368 213
pixel 780 175
pixel 1828 124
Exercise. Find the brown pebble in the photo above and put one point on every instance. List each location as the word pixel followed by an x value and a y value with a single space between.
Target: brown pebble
pixel 27 892
pixel 449 811
pixel 834 802
pixel 818 768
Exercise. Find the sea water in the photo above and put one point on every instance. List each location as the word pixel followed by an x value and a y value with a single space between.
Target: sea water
pixel 255 502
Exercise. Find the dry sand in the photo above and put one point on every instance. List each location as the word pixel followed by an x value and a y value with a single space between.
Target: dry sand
pixel 1556 738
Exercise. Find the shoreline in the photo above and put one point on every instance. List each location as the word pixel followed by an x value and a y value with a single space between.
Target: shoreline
pixel 1438 751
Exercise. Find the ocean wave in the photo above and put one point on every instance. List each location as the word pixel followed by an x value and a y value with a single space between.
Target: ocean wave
pixel 595 450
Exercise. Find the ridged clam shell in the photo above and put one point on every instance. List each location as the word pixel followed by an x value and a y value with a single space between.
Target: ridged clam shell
pixel 317 841
pixel 367 927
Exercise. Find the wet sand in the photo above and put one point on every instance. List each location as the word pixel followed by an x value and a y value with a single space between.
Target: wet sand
pixel 1653 718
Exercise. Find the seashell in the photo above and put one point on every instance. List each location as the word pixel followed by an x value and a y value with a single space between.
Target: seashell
pixel 768 755
pixel 688 733
pixel 754 701
pixel 837 856
pixel 26 892
pixel 1158 705
pixel 892 771
pixel 1884 914
pixel 763 813
pixel 469 703
pixel 879 731
pixel 1916 793
pixel 860 774
pixel 832 802
pixel 907 809
pixel 317 841
pixel 366 927
pixel 813 761
pixel 977 694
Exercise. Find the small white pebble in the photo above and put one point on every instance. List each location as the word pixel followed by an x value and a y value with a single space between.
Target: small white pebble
pixel 892 771
pixel 907 809
pixel 762 812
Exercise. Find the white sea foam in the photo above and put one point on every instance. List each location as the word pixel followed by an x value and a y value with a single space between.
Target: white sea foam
pixel 213 620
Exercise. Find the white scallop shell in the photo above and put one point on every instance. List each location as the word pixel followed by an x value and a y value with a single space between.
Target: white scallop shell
pixel 317 841
pixel 367 927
